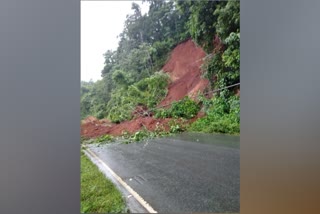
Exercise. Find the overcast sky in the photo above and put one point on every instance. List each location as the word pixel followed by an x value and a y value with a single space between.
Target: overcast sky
pixel 101 23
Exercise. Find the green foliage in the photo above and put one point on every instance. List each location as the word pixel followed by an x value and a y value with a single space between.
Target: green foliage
pixel 147 92
pixel 99 140
pixel 228 18
pixel 222 116
pixel 231 58
pixel 176 126
pixel 223 68
pixel 98 195
pixel 201 22
pixel 185 108
pixel 161 53
pixel 88 141
pixel 120 78
pixel 94 97
pixel 104 138
pixel 110 61
pixel 140 135
pixel 162 113
pixel 216 125
pixel 137 63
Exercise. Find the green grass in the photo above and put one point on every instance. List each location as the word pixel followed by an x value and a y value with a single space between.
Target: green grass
pixel 98 195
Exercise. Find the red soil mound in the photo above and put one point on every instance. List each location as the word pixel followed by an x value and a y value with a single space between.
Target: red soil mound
pixel 183 68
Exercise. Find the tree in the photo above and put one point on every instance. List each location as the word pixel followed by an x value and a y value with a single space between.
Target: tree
pixel 109 62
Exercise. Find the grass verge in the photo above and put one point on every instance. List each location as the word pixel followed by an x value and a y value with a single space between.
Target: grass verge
pixel 98 195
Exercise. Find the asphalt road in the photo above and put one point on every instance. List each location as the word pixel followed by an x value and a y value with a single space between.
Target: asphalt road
pixel 188 173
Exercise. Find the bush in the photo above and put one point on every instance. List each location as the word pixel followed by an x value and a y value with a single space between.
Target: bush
pixel 222 117
pixel 224 124
pixel 185 108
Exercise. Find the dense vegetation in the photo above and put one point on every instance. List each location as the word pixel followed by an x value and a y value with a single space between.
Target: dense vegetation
pixel 222 115
pixel 131 75
pixel 147 92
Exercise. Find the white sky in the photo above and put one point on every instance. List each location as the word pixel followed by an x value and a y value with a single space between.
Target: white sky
pixel 101 23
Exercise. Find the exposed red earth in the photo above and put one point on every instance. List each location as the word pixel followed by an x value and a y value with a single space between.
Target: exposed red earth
pixel 184 70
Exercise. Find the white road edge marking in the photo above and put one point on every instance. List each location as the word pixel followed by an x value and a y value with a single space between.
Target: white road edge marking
pixel 124 184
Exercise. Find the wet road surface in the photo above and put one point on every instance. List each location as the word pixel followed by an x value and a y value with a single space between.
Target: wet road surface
pixel 185 173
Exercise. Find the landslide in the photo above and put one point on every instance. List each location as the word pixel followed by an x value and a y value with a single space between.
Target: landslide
pixel 184 70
